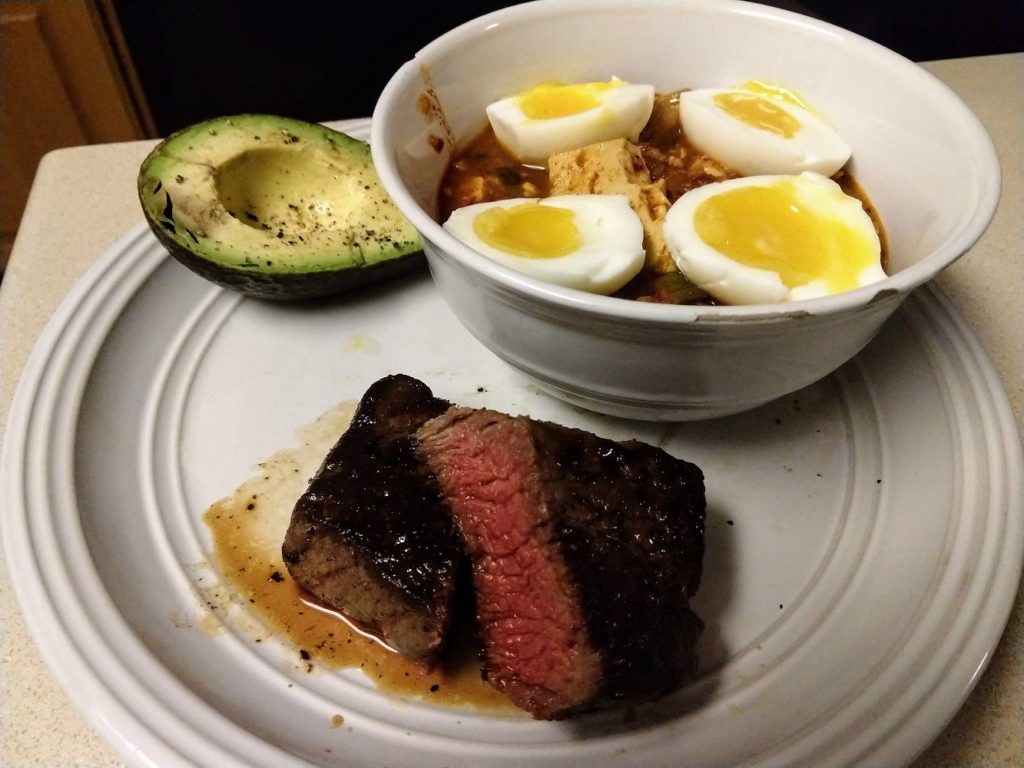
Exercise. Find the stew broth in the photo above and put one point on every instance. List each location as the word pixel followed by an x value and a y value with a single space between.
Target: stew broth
pixel 483 170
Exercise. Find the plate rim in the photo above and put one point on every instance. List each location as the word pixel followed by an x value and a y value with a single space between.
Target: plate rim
pixel 127 733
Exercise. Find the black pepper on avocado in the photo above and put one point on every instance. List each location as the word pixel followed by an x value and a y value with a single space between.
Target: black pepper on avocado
pixel 274 207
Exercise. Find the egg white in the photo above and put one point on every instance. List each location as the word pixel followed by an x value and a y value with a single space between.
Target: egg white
pixel 623 111
pixel 611 253
pixel 750 150
pixel 732 282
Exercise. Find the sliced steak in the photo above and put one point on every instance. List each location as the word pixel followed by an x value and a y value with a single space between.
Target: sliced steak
pixel 371 536
pixel 585 552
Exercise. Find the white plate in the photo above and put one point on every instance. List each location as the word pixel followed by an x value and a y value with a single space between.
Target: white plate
pixel 864 537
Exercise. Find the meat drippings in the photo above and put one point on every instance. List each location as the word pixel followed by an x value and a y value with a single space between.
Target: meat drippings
pixel 247 528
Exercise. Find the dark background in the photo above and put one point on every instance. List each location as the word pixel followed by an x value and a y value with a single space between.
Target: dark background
pixel 325 60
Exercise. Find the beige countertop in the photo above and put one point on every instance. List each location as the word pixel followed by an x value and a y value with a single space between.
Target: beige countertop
pixel 84 199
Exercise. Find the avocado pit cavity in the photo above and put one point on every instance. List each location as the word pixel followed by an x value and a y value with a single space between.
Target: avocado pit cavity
pixel 285 192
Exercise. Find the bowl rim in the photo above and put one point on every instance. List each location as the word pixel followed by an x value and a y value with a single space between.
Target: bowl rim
pixel 961 240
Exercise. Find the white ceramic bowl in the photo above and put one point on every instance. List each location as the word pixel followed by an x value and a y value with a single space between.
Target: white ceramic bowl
pixel 920 154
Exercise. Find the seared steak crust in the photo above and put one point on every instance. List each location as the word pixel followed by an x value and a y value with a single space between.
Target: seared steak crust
pixel 371 536
pixel 629 520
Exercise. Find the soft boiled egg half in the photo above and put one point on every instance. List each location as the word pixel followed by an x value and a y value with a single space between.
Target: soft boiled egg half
pixel 761 128
pixel 557 117
pixel 765 239
pixel 592 243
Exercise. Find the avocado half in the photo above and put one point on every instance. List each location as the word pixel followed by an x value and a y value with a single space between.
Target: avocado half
pixel 274 207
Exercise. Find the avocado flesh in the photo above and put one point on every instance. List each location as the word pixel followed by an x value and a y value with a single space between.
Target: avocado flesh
pixel 274 207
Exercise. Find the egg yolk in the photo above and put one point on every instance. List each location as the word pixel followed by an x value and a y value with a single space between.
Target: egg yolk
pixel 758 112
pixel 550 100
pixel 529 230
pixel 770 228
pixel 778 92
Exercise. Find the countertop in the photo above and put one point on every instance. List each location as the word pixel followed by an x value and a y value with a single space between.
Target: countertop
pixel 83 200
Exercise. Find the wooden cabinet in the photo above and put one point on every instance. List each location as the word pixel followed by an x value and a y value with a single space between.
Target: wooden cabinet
pixel 65 79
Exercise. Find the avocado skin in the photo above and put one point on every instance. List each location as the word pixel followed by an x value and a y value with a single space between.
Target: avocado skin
pixel 292 286
pixel 253 278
